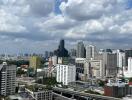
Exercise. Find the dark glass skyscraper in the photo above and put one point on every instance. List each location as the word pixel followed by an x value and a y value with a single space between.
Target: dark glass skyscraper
pixel 61 51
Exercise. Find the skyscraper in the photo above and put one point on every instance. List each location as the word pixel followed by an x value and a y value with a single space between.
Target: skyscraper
pixel 90 52
pixel 61 51
pixel 109 64
pixel 46 54
pixel 120 58
pixel 7 79
pixel 81 52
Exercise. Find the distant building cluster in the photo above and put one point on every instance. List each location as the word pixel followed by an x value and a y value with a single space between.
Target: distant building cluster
pixel 92 63
pixel 78 65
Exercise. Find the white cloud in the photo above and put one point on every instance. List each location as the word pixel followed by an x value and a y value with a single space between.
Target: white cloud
pixel 41 7
pixel 126 27
pixel 90 9
pixel 93 20
pixel 10 23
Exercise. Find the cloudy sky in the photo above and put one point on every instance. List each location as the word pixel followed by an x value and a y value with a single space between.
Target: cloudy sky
pixel 28 26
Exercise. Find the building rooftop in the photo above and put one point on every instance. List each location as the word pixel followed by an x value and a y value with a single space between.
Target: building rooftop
pixel 15 97
pixel 37 88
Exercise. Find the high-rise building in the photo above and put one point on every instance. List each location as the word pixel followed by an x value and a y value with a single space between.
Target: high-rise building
pixel 81 52
pixel 90 52
pixel 110 64
pixel 7 79
pixel 128 53
pixel 128 73
pixel 120 61
pixel 120 58
pixel 35 62
pixel 61 51
pixel 86 69
pixel 66 73
pixel 96 68
pixel 72 53
pixel 46 54
pixel 83 71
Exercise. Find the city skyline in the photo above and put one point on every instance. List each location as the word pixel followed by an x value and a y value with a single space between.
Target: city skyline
pixel 26 28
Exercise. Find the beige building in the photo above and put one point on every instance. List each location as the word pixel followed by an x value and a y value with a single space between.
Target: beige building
pixel 96 68
pixel 86 69
pixel 35 62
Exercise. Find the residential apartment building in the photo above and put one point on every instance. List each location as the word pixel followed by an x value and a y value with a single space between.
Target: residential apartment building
pixel 7 79
pixel 66 73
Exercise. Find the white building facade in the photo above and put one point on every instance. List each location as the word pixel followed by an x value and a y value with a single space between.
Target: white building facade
pixel 66 73
pixel 128 73
pixel 90 52
pixel 120 59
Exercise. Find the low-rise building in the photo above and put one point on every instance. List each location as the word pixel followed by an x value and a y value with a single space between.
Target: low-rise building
pixel 116 89
pixel 39 92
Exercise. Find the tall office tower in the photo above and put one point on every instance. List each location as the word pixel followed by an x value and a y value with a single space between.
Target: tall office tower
pixel 110 64
pixel 90 52
pixel 35 62
pixel 66 73
pixel 120 58
pixel 128 53
pixel 72 53
pixel 61 51
pixel 80 50
pixel 7 79
pixel 46 54
pixel 120 61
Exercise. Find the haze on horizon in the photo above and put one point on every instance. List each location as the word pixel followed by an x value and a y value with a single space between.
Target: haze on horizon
pixel 28 26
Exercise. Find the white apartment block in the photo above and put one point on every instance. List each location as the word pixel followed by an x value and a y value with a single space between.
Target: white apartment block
pixel 7 79
pixel 66 73
pixel 120 59
pixel 90 52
